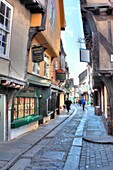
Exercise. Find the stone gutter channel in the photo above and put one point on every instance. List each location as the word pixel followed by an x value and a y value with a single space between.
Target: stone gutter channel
pixel 73 158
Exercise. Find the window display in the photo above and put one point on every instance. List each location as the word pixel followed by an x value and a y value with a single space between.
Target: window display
pixel 23 107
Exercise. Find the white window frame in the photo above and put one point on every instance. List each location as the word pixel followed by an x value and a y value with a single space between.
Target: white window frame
pixel 36 67
pixel 46 66
pixel 52 14
pixel 3 29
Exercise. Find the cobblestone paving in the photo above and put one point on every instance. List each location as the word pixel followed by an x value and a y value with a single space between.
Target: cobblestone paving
pixel 53 155
pixel 94 156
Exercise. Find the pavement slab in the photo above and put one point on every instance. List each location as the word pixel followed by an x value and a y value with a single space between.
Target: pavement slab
pixel 6 156
pixel 77 142
pixel 2 163
pixel 21 164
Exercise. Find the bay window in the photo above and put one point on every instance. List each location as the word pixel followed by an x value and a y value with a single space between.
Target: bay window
pixel 23 107
pixel 25 110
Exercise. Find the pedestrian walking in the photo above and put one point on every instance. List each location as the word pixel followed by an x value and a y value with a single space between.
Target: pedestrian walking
pixel 68 104
pixel 83 103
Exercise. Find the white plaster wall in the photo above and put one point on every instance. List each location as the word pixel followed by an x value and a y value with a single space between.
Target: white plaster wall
pixel 19 39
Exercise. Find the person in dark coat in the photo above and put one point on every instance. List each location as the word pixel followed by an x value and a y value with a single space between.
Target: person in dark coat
pixel 80 102
pixel 68 104
pixel 83 103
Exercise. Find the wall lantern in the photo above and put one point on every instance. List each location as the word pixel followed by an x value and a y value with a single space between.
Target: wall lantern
pixel 40 96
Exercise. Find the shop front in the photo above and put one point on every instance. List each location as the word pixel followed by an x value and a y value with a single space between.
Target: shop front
pixel 25 112
pixel 56 101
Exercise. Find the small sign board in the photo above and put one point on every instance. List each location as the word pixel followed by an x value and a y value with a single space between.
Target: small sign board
pixel 37 54
pixel 84 55
pixel 61 76
pixel 112 58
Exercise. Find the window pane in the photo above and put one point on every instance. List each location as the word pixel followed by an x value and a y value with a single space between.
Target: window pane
pixel 3 48
pixel 4 36
pixel 15 101
pixel 8 13
pixel 33 67
pixel 26 100
pixel 7 24
pixel 1 20
pixel 15 109
pixel 26 109
pixel 0 38
pixel 3 39
pixel 26 106
pixel 31 106
pixel 2 8
pixel 52 14
pixel 38 68
pixel 45 68
pixel 20 107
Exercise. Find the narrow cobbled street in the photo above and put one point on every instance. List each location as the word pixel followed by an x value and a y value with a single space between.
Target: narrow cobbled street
pixel 76 141
pixel 52 151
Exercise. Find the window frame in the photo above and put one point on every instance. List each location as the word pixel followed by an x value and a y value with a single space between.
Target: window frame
pixel 37 68
pixel 46 66
pixel 17 106
pixel 52 14
pixel 3 29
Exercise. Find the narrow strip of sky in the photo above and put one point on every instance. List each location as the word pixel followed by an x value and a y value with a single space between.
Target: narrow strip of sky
pixel 70 37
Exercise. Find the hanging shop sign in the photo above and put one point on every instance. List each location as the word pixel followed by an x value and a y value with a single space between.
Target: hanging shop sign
pixel 68 83
pixel 85 55
pixel 38 54
pixel 112 58
pixel 61 76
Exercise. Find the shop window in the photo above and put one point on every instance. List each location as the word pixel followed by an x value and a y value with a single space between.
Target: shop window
pixel 5 27
pixel 46 69
pixel 23 107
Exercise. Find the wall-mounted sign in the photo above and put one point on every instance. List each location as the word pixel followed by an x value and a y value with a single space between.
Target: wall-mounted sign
pixel 37 54
pixel 61 76
pixel 84 55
